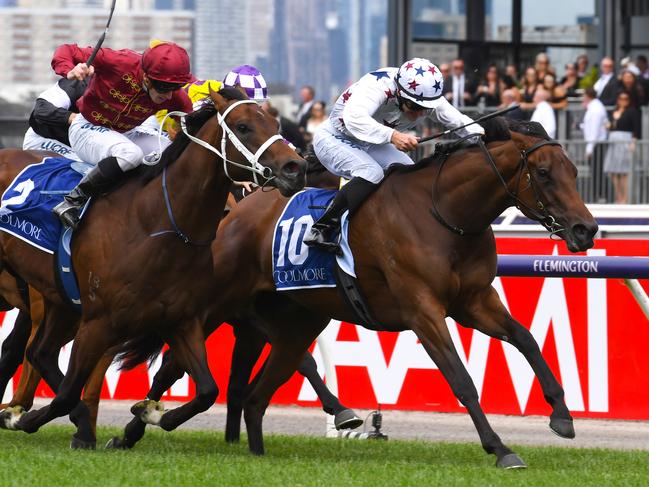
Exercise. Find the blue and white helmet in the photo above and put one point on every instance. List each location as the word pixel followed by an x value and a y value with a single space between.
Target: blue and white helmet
pixel 250 79
pixel 420 81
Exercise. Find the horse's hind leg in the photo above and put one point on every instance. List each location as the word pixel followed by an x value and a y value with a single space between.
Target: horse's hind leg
pixel 188 347
pixel 91 342
pixel 430 327
pixel 248 345
pixel 343 416
pixel 487 313
pixel 290 340
pixel 13 349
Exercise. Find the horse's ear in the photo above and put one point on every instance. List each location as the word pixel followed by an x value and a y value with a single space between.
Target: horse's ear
pixel 242 90
pixel 219 101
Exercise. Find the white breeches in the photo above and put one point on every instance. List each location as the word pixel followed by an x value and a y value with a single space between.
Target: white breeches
pixel 33 141
pixel 348 157
pixel 92 143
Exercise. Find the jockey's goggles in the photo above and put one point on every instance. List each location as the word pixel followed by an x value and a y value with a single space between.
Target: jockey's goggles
pixel 164 87
pixel 411 105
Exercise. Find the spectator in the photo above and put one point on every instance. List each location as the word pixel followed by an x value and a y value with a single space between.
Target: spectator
pixel 607 86
pixel 445 69
pixel 491 87
pixel 624 130
pixel 287 129
pixel 629 84
pixel 530 84
pixel 587 77
pixel 318 116
pixel 558 99
pixel 510 98
pixel 570 80
pixel 307 94
pixel 594 129
pixel 543 113
pixel 458 88
pixel 628 65
pixel 511 77
pixel 542 65
pixel 643 66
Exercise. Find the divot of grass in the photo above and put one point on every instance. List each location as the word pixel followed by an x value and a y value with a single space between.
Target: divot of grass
pixel 194 458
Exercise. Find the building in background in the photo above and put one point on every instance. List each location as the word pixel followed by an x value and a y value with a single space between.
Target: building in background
pixel 220 37
pixel 30 36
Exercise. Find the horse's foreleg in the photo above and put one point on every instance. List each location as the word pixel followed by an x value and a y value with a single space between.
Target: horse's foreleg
pixel 344 416
pixel 90 344
pixel 487 314
pixel 431 330
pixel 189 351
pixel 92 391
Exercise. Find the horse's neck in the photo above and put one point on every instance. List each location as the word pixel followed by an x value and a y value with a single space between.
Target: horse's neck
pixel 467 193
pixel 197 188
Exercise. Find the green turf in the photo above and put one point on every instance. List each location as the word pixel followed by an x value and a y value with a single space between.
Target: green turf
pixel 202 458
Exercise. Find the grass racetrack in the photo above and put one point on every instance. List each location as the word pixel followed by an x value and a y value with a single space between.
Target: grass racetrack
pixel 191 458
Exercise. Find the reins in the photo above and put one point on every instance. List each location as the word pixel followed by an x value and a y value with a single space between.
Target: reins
pixel 545 218
pixel 226 134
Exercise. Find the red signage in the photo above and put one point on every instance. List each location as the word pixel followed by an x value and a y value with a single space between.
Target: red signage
pixel 592 333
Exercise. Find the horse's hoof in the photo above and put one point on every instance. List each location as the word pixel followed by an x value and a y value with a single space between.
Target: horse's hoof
pixel 116 443
pixel 562 427
pixel 347 419
pixel 510 461
pixel 79 444
pixel 149 411
pixel 10 416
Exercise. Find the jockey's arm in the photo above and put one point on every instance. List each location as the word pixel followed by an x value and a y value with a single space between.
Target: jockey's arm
pixel 69 61
pixel 358 111
pixel 451 117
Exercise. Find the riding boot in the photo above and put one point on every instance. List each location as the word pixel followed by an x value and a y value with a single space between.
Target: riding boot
pixel 325 231
pixel 99 180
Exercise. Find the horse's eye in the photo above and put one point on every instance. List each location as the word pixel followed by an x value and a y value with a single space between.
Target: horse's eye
pixel 543 172
pixel 242 128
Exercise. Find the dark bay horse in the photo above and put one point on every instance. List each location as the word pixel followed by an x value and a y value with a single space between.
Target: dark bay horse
pixel 140 251
pixel 423 250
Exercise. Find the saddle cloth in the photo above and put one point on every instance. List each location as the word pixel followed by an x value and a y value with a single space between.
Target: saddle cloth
pixel 26 205
pixel 296 265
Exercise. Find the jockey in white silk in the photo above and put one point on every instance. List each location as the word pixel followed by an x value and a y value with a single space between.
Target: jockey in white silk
pixel 367 132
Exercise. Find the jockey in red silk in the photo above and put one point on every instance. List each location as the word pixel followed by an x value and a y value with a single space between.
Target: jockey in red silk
pixel 365 134
pixel 125 90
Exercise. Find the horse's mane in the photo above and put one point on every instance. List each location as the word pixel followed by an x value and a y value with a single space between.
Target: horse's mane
pixel 194 121
pixel 497 129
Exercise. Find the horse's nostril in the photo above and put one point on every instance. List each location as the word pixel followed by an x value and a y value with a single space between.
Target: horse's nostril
pixel 292 169
pixel 582 231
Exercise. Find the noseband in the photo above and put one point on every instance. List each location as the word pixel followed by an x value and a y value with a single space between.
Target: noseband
pixel 540 213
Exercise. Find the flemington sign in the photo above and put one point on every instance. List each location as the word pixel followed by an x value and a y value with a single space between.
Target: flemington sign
pixel 591 332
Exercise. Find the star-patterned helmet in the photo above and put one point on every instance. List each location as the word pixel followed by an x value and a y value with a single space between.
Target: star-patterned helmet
pixel 420 81
pixel 250 79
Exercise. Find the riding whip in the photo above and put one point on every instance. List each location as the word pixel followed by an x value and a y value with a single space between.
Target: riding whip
pixel 103 36
pixel 481 119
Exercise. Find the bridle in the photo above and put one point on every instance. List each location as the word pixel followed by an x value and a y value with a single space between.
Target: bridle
pixel 255 167
pixel 540 213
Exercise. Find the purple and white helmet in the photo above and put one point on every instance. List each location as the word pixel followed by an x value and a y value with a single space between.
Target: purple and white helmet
pixel 250 79
pixel 420 81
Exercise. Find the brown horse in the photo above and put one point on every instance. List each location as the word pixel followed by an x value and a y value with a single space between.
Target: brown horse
pixel 138 278
pixel 249 336
pixel 423 250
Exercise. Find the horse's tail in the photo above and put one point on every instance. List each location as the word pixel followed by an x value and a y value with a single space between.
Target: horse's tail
pixel 135 351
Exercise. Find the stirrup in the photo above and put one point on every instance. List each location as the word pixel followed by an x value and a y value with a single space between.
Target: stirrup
pixel 316 238
pixel 68 213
